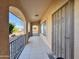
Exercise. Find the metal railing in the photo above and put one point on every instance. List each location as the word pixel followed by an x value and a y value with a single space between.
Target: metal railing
pixel 17 46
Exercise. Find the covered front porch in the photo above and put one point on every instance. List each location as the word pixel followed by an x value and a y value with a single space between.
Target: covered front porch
pixel 35 49
pixel 51 29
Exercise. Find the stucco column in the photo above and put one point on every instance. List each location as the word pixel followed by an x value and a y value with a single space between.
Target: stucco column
pixel 27 32
pixel 4 34
pixel 31 29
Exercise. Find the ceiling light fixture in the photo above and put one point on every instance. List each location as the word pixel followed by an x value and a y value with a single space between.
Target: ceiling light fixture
pixel 36 15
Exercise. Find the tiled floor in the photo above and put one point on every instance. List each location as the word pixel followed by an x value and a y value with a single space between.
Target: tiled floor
pixel 35 49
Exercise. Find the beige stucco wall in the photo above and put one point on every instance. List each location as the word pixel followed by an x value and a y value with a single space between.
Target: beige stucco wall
pixel 76 30
pixel 56 4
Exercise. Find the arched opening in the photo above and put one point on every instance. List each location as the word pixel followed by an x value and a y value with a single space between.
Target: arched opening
pixel 35 29
pixel 17 12
pixel 17 32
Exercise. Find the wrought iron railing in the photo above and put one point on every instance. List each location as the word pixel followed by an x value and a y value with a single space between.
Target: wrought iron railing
pixel 16 47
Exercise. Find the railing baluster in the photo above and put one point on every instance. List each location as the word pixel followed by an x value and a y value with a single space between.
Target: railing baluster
pixel 16 47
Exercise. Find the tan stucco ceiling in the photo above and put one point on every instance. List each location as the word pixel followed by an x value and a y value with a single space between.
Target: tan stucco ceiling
pixel 34 7
pixel 30 8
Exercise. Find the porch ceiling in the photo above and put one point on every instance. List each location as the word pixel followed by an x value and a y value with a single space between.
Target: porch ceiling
pixel 34 9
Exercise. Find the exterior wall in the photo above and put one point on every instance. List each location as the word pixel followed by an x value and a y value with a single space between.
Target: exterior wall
pixel 4 32
pixel 56 4
pixel 76 29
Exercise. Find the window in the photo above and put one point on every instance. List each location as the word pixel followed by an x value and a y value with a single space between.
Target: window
pixel 43 28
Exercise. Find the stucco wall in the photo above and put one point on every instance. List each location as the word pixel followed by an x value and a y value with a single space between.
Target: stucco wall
pixel 76 30
pixel 56 4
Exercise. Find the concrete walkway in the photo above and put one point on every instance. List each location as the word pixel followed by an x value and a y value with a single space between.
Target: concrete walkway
pixel 35 49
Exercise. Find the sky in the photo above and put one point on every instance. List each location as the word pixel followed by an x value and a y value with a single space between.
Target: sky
pixel 15 20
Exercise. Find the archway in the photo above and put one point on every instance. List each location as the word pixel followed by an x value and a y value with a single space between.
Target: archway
pixel 17 12
pixel 17 37
pixel 35 29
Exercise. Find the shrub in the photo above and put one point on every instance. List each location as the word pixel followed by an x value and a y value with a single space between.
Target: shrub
pixel 11 27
